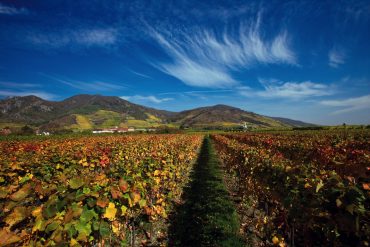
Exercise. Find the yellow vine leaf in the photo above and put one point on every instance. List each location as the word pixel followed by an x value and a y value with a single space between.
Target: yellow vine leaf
pixel 123 209
pixel 110 212
pixel 319 186
pixel 115 228
pixel 39 224
pixel 37 211
pixel 73 242
pixel 275 240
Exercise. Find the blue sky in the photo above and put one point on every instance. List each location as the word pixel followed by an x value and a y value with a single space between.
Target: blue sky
pixel 306 60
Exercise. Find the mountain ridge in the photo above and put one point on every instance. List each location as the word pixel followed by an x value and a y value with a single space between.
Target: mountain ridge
pixel 84 111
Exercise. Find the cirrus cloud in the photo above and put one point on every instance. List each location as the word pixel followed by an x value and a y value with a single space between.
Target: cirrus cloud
pixel 203 58
pixel 87 86
pixel 146 99
pixel 349 105
pixel 336 57
pixel 10 10
pixel 289 90
pixel 87 37
pixel 41 94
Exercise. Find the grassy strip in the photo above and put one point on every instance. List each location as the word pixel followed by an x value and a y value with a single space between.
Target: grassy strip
pixel 208 216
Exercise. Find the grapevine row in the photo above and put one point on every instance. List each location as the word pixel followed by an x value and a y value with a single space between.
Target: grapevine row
pixel 346 157
pixel 303 204
pixel 91 190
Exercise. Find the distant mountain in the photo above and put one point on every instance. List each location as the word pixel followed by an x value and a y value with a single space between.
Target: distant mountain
pixel 223 115
pixel 79 112
pixel 83 112
pixel 295 123
pixel 27 109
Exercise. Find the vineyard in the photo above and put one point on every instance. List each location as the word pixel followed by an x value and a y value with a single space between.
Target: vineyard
pixel 300 189
pixel 256 189
pixel 109 191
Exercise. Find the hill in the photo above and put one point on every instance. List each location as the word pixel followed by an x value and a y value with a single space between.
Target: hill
pixel 84 112
pixel 80 112
pixel 292 122
pixel 223 115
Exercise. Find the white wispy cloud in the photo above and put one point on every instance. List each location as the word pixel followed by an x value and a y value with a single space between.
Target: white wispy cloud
pixel 16 85
pixel 10 10
pixel 336 57
pixel 88 86
pixel 139 74
pixel 280 49
pixel 41 94
pixel 83 37
pixel 204 58
pixel 150 98
pixel 350 104
pixel 289 90
pixel 191 71
pixel 198 91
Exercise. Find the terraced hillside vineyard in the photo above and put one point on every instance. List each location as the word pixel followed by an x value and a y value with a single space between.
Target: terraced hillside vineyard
pixel 91 190
pixel 307 189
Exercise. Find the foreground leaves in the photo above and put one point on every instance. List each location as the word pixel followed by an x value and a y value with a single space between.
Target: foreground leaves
pixel 18 214
pixel 7 237
pixel 22 193
pixel 84 191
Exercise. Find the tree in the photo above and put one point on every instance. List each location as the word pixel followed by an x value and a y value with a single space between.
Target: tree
pixel 27 130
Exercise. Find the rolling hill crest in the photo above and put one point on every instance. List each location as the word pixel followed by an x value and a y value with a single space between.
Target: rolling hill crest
pixel 84 112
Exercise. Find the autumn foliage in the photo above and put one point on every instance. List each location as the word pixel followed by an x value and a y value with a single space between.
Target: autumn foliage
pixel 90 190
pixel 306 189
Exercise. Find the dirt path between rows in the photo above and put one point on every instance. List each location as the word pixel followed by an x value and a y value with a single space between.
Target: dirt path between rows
pixel 208 216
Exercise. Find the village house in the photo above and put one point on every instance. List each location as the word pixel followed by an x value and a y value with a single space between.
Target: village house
pixel 111 130
pixel 122 130
pixel 101 131
pixel 42 133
